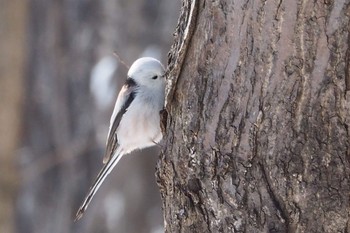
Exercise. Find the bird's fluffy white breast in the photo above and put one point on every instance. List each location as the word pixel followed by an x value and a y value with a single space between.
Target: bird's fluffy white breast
pixel 140 125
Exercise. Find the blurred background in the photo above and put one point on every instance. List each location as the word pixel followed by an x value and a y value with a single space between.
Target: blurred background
pixel 58 83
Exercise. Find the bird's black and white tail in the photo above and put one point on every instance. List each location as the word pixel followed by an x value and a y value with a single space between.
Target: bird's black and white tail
pixel 107 168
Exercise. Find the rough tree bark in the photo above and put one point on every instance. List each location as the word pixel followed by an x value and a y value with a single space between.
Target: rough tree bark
pixel 259 114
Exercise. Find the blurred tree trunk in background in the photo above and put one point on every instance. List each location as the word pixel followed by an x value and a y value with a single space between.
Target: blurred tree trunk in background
pixel 258 127
pixel 66 114
pixel 12 33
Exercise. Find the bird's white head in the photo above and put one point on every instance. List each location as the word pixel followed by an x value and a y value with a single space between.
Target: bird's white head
pixel 147 71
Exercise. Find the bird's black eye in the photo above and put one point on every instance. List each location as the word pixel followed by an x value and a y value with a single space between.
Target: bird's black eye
pixel 155 77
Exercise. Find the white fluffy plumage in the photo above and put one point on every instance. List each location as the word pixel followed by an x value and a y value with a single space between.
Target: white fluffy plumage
pixel 135 122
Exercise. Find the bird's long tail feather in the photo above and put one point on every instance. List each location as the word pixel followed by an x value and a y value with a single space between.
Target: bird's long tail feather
pixel 107 168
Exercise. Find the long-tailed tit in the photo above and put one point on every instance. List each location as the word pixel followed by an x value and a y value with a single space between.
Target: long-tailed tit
pixel 135 122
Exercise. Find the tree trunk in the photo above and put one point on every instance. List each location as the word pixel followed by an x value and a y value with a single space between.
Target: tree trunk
pixel 12 32
pixel 259 114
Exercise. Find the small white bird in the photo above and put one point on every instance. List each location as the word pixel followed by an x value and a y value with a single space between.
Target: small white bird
pixel 135 122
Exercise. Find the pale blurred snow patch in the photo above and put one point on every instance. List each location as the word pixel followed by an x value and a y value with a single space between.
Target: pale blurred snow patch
pixel 152 51
pixel 153 215
pixel 101 133
pixel 114 205
pixel 157 229
pixel 101 85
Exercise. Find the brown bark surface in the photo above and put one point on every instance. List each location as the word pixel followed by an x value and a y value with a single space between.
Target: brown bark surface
pixel 259 114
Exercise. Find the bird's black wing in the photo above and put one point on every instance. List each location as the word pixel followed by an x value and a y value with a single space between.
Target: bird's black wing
pixel 128 93
pixel 126 96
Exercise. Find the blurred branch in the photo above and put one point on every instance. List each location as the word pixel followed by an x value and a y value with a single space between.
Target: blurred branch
pixel 120 60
